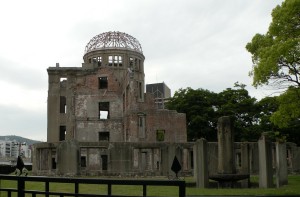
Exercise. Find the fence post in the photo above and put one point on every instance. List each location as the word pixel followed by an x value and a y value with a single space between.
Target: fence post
pixel 47 188
pixel 144 190
pixel 109 189
pixel 21 187
pixel 182 189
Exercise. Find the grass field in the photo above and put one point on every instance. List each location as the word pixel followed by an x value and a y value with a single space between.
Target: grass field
pixel 293 188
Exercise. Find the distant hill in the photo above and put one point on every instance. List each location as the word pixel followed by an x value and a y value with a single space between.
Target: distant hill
pixel 19 139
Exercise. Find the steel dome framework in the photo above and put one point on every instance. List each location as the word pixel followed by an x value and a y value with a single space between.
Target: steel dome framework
pixel 111 40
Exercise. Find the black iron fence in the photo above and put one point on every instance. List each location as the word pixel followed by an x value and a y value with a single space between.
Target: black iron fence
pixel 20 190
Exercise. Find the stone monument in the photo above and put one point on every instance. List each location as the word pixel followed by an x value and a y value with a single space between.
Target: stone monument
pixel 226 175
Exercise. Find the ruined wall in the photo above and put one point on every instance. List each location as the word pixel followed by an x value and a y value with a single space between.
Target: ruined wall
pixel 143 158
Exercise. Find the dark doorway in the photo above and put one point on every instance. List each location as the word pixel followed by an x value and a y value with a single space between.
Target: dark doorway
pixel 104 162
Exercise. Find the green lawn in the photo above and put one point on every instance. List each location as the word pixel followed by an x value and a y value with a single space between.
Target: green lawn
pixel 292 188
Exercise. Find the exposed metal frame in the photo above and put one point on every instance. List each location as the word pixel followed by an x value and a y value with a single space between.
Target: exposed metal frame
pixel 113 39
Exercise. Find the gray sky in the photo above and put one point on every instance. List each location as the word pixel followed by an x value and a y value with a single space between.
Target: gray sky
pixel 187 43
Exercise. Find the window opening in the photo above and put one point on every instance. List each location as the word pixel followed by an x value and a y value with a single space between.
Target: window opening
pixel 141 124
pixel 116 61
pixel 110 60
pixel 104 159
pixel 53 165
pixel 90 60
pixel 120 61
pixel 83 161
pixel 140 90
pixel 63 105
pixel 104 136
pixel 103 83
pixel 99 60
pixel 160 135
pixel 104 110
pixel 94 60
pixel 131 62
pixel 62 79
pixel 62 133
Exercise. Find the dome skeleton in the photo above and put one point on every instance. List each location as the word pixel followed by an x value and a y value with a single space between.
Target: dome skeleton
pixel 113 40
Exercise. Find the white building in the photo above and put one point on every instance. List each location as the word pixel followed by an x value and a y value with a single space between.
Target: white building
pixel 14 148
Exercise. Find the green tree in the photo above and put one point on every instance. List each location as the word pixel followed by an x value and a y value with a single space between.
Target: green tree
pixel 203 108
pixel 276 54
pixel 238 104
pixel 288 112
pixel 198 105
pixel 276 59
pixel 266 107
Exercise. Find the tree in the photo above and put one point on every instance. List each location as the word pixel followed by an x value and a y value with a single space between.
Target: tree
pixel 198 105
pixel 203 108
pixel 238 104
pixel 276 55
pixel 266 107
pixel 288 113
pixel 276 59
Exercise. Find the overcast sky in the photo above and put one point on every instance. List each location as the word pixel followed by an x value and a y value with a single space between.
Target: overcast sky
pixel 186 43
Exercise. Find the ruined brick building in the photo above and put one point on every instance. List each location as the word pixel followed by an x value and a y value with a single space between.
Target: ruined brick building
pixel 103 104
pixel 104 100
pixel 100 121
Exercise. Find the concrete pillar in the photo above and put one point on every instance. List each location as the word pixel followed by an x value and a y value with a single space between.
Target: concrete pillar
pixel 68 158
pixel 281 165
pixel 265 163
pixel 245 164
pixel 201 164
pixel 185 160
pixel 226 159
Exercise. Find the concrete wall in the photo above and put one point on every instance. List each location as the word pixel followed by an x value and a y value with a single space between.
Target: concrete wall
pixel 141 158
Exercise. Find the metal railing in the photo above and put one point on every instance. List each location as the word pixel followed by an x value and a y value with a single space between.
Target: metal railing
pixel 21 181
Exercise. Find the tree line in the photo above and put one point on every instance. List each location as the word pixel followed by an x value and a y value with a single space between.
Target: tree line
pixel 251 117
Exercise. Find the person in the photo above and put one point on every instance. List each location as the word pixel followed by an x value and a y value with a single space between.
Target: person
pixel 20 167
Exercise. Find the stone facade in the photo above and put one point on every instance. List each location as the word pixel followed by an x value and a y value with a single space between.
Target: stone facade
pixel 104 101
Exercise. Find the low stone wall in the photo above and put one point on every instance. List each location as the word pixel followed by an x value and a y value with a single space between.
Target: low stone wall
pixel 140 159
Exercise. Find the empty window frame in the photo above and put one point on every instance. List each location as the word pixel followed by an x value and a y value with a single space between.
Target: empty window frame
pixel 99 61
pixel 140 89
pixel 115 60
pixel 53 163
pixel 63 105
pixel 103 110
pixel 104 136
pixel 83 161
pixel 63 79
pixel 141 125
pixel 62 133
pixel 103 83
pixel 160 135
pixel 131 62
pixel 110 60
pixel 118 60
pixel 104 159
